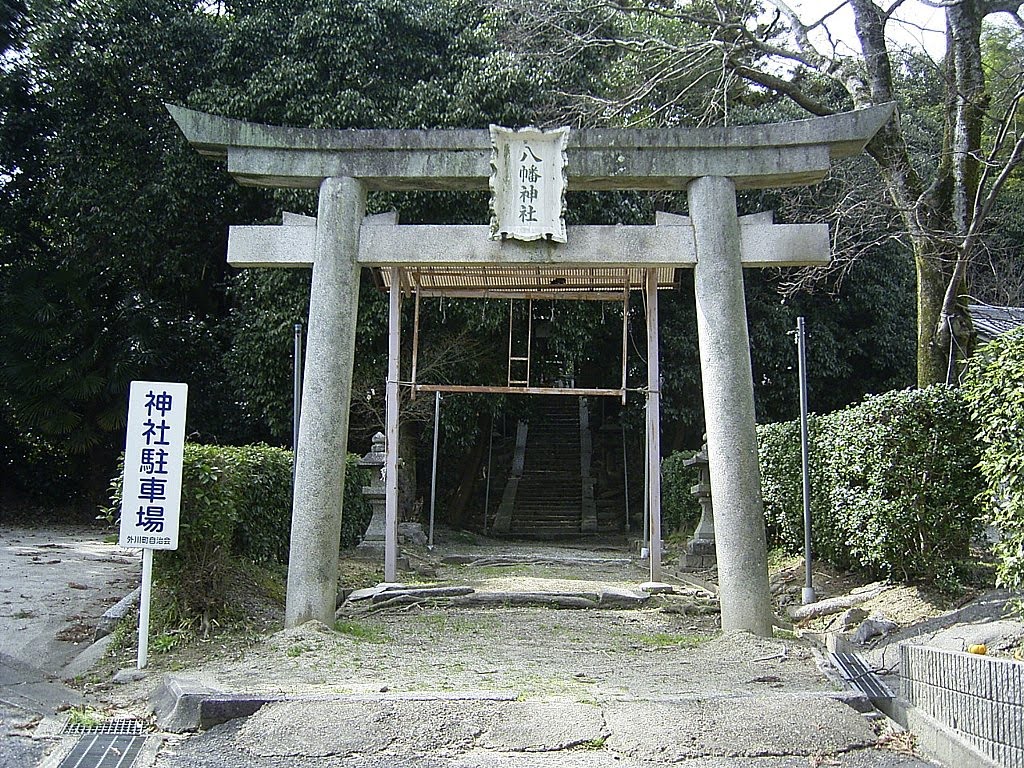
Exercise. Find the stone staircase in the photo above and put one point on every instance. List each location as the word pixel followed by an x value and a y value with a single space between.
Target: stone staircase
pixel 550 491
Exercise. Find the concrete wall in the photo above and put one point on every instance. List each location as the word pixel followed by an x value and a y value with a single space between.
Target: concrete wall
pixel 979 697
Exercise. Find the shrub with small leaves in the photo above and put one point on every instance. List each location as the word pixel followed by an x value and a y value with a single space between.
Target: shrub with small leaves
pixel 211 489
pixel 894 480
pixel 265 505
pixel 235 505
pixel 357 511
pixel 994 387
pixel 680 510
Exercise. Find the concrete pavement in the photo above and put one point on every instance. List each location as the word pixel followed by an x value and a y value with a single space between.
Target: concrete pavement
pixel 760 731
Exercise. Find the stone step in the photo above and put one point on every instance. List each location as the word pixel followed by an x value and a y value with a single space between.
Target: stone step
pixel 554 520
pixel 541 510
pixel 548 510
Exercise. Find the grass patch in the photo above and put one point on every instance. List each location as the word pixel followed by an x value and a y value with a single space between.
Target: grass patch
pixel 85 716
pixel 166 642
pixel 360 631
pixel 442 623
pixel 295 650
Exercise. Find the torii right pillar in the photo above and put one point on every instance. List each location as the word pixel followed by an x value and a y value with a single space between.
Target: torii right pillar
pixel 729 407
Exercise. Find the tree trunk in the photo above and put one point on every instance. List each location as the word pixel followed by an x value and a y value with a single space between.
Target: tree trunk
pixel 932 353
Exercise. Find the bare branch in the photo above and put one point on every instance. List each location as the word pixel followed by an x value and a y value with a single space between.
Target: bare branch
pixel 785 87
pixel 797 27
pixel 892 9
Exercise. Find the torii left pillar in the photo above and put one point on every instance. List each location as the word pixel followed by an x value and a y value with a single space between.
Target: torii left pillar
pixel 326 393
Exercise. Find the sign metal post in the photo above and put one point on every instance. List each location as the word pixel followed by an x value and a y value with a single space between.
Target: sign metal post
pixel 151 493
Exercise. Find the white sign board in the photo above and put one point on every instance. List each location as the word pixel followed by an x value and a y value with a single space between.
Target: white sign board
pixel 154 445
pixel 528 183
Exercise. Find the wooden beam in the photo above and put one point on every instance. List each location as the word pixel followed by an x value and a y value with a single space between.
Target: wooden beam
pixel 467 389
pixel 612 294
pixel 625 337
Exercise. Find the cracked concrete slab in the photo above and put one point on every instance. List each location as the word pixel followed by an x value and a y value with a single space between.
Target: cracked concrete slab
pixel 333 728
pixel 722 727
pixel 225 746
pixel 543 726
pixel 55 584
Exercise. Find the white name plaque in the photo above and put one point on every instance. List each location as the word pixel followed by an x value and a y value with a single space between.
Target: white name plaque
pixel 528 183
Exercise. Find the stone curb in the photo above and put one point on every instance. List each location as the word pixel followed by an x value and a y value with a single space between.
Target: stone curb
pixel 940 742
pixel 218 709
pixel 88 657
pixel 110 618
pixel 184 704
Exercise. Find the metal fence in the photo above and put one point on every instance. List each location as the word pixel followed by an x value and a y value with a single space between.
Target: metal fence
pixel 979 697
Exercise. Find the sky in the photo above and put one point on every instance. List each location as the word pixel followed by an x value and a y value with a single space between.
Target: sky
pixel 915 24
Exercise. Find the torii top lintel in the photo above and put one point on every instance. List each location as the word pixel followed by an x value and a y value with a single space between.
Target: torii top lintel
pixel 793 153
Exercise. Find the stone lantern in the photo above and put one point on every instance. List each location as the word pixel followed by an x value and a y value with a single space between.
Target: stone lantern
pixel 699 554
pixel 372 545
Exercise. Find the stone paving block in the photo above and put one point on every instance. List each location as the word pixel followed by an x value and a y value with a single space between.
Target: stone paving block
pixel 176 702
pixel 721 727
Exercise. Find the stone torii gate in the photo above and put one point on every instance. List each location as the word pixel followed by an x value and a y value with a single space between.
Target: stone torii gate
pixel 709 163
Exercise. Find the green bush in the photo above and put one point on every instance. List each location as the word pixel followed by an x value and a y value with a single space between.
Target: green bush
pixel 893 484
pixel 680 510
pixel 235 505
pixel 265 503
pixel 357 510
pixel 211 488
pixel 994 388
pixel 782 483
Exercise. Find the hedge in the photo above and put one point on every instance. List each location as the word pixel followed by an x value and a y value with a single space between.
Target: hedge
pixel 994 388
pixel 894 482
pixel 236 504
pixel 680 510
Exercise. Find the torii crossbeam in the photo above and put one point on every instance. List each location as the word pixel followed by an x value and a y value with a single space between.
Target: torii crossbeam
pixel 709 163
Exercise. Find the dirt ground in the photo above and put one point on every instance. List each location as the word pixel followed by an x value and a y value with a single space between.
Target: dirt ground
pixel 55 582
pixel 670 647
pixel 535 652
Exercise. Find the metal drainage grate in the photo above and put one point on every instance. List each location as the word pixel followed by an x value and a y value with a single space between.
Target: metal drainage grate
pixel 123 726
pixel 857 674
pixel 104 750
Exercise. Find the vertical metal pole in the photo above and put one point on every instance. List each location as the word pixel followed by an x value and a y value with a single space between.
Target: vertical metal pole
pixel 487 491
pixel 625 466
pixel 625 338
pixel 654 423
pixel 415 334
pixel 296 391
pixel 391 432
pixel 433 469
pixel 647 496
pixel 144 600
pixel 807 594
